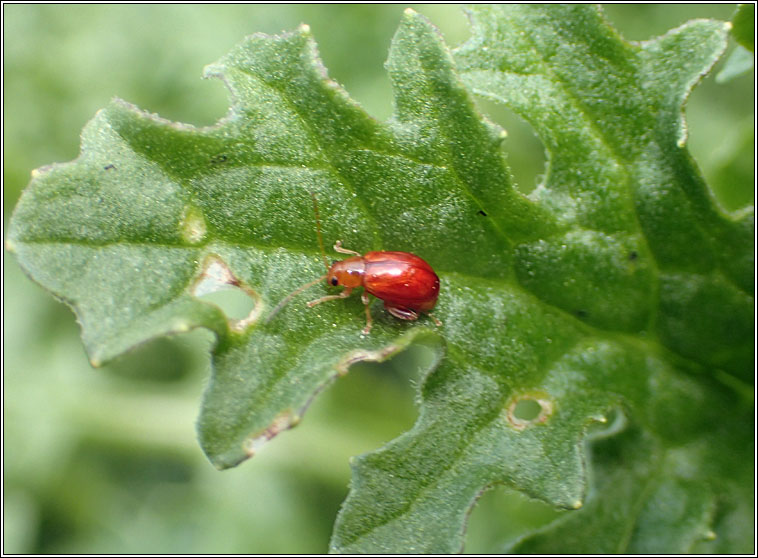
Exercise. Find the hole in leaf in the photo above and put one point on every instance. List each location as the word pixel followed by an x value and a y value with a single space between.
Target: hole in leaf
pixel 525 153
pixel 218 285
pixel 527 410
pixel 234 302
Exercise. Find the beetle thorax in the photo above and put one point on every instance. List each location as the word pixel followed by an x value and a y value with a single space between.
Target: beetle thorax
pixel 347 273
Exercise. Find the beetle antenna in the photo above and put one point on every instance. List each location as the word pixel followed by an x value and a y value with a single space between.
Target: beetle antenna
pixel 318 231
pixel 290 296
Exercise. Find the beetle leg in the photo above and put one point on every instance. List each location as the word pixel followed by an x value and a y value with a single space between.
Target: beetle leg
pixel 369 321
pixel 343 294
pixel 402 313
pixel 436 321
pixel 338 248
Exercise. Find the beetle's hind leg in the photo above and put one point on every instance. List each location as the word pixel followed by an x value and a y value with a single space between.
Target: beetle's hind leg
pixel 408 314
pixel 369 321
pixel 402 313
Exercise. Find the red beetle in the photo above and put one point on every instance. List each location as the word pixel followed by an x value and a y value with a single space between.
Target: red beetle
pixel 406 283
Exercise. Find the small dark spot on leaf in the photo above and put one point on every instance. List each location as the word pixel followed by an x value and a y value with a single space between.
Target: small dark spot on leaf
pixel 580 313
pixel 633 255
pixel 482 213
pixel 109 167
pixel 220 158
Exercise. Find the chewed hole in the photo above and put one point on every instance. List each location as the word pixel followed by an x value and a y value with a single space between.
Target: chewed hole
pixel 234 302
pixel 524 151
pixel 527 410
pixel 218 285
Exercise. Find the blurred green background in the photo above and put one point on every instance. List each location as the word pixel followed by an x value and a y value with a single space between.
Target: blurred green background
pixel 105 461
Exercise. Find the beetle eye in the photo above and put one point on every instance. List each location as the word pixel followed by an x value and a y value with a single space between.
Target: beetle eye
pixel 334 281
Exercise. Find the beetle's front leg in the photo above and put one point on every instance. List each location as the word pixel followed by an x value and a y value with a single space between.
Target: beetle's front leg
pixel 343 294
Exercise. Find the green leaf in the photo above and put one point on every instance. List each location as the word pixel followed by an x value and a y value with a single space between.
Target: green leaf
pixel 153 215
pixel 638 505
pixel 743 31
pixel 638 259
pixel 743 26
pixel 739 62
pixel 618 290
